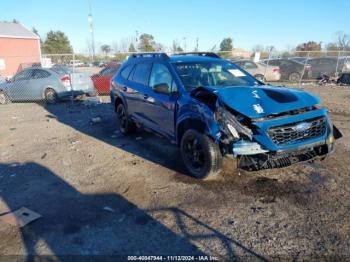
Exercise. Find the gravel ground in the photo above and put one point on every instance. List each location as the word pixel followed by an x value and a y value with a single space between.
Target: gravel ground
pixel 100 193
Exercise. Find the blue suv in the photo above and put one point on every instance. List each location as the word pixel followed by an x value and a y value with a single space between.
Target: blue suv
pixel 212 108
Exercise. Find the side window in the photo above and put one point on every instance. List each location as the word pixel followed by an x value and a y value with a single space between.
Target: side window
pixel 141 73
pixel 161 75
pixel 24 75
pixel 274 63
pixel 38 73
pixel 249 65
pixel 126 71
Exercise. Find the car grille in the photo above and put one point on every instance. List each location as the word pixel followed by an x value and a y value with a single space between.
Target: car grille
pixel 291 133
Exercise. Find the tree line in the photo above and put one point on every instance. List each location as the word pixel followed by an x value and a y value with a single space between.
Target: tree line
pixel 57 42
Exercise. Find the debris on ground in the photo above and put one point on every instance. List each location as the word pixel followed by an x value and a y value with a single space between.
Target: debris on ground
pixel 109 209
pixel 20 217
pixel 43 156
pixel 92 101
pixel 95 120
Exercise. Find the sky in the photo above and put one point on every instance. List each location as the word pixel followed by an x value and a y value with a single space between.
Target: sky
pixel 279 23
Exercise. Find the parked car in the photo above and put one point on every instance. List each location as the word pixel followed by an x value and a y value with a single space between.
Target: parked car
pixel 290 70
pixel 346 64
pixel 326 65
pixel 76 63
pixel 300 59
pixel 38 83
pixel 103 78
pixel 259 70
pixel 212 108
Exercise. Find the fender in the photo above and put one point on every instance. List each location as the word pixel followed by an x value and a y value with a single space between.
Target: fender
pixel 199 117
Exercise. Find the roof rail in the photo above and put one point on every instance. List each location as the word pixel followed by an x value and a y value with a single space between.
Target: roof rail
pixel 208 54
pixel 149 54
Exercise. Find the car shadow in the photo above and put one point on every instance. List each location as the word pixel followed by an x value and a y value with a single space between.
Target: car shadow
pixel 97 226
pixel 79 116
pixel 74 223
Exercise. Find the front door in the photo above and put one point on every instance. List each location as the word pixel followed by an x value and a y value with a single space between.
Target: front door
pixel 161 106
pixel 19 86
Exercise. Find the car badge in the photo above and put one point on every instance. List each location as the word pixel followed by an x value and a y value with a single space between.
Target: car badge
pixel 302 127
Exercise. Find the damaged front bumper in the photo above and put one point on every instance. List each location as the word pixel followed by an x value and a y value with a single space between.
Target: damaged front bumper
pixel 252 157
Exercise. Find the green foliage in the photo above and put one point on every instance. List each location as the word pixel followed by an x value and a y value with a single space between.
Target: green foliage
pixel 132 48
pixel 120 57
pixel 226 44
pixel 225 54
pixel 57 42
pixel 147 43
pixel 106 49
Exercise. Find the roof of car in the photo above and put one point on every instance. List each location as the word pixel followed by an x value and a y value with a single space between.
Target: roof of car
pixel 192 58
pixel 176 58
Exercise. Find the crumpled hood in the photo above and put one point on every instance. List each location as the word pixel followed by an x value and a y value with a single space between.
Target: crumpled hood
pixel 261 101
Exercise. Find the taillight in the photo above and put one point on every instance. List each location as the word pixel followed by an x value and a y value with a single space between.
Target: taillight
pixel 66 81
pixel 65 78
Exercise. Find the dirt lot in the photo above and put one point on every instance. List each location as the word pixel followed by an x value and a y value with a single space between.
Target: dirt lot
pixel 100 193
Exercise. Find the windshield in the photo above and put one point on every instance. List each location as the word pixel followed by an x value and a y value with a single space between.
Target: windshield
pixel 215 74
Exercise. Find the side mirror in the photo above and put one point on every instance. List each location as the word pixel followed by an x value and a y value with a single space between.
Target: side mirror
pixel 162 88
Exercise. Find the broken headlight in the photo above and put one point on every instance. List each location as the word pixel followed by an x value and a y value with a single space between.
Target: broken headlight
pixel 231 125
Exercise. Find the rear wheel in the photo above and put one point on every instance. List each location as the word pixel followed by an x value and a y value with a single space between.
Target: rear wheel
pixel 4 98
pixel 125 124
pixel 294 77
pixel 51 96
pixel 201 156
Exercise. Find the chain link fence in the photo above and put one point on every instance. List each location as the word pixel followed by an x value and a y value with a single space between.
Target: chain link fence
pixel 52 77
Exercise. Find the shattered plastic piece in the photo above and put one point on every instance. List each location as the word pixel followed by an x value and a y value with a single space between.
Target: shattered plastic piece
pixel 96 120
pixel 92 101
pixel 21 217
pixel 109 209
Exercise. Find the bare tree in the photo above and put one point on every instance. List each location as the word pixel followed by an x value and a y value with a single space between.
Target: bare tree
pixel 342 41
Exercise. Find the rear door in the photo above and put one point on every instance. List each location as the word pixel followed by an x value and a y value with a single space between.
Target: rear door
pixel 137 91
pixel 161 106
pixel 38 81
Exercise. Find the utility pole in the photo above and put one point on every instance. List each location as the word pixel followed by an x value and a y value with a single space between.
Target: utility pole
pixel 185 44
pixel 197 45
pixel 91 27
pixel 137 40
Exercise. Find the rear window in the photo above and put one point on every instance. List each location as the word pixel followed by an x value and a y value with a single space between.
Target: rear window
pixel 38 73
pixel 141 73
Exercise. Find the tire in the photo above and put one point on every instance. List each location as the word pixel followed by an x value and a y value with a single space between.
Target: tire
pixel 51 96
pixel 4 99
pixel 260 78
pixel 294 77
pixel 125 124
pixel 201 156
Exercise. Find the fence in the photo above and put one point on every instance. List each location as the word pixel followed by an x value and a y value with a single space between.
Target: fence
pixel 55 76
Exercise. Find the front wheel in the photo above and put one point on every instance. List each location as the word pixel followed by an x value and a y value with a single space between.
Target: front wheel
pixel 201 156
